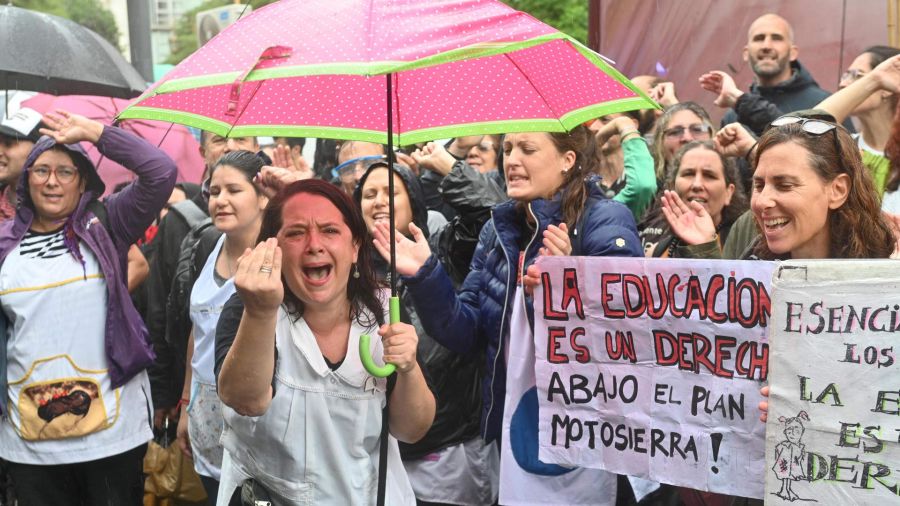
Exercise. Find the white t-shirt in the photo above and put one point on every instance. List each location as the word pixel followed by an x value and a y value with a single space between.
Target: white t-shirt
pixel 62 409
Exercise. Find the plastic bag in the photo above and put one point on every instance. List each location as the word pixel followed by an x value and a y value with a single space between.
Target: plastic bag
pixel 169 473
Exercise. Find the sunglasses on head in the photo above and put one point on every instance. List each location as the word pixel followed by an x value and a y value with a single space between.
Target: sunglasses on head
pixel 810 126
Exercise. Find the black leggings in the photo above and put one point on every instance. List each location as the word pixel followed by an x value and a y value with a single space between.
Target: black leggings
pixel 112 480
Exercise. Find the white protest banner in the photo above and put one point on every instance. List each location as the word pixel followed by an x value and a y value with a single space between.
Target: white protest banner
pixel 524 479
pixel 833 434
pixel 652 368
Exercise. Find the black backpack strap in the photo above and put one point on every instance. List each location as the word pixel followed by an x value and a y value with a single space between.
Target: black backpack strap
pixel 99 210
pixel 208 237
pixel 190 212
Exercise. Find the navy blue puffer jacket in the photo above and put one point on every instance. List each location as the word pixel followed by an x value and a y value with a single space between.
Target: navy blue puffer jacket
pixel 478 316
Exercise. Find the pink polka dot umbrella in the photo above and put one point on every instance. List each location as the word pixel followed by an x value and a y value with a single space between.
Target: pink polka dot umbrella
pixel 334 68
pixel 315 68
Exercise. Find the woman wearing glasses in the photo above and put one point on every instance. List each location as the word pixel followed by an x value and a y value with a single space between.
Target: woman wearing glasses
pixel 75 349
pixel 485 156
pixel 680 124
pixel 871 98
pixel 869 93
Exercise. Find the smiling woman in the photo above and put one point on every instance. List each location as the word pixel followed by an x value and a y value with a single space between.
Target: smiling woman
pixel 812 198
pixel 373 195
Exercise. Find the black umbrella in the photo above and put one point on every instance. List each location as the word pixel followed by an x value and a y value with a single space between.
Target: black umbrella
pixel 41 52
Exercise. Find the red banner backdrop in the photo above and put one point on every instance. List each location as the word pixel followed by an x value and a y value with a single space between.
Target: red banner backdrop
pixel 682 39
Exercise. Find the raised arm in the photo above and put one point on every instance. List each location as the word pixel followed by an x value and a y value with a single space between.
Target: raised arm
pixel 752 110
pixel 450 318
pixel 245 377
pixel 884 78
pixel 133 209
pixel 640 176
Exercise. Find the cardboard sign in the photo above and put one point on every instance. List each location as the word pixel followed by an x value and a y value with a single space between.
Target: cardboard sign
pixel 833 434
pixel 652 368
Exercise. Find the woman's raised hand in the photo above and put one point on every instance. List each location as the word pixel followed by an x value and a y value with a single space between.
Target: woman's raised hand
pixel 692 224
pixel 618 126
pixel 887 74
pixel 556 241
pixel 400 342
pixel 734 140
pixel 282 158
pixel 272 179
pixel 258 278
pixel 664 94
pixel 435 158
pixel 69 128
pixel 411 255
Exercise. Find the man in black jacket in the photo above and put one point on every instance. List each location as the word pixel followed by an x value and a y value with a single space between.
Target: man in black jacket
pixel 167 373
pixel 782 84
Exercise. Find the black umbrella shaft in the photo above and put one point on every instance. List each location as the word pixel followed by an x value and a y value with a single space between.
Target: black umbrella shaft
pixel 390 160
pixel 382 444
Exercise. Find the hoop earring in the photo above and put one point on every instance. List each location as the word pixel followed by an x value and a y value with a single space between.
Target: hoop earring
pixel 355 271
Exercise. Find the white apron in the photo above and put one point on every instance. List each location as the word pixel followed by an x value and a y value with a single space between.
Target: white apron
pixel 318 441
pixel 205 419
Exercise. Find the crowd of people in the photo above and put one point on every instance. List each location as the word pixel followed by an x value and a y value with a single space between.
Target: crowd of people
pixel 234 308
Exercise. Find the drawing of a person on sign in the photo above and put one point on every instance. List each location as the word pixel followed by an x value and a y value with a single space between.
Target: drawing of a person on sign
pixel 790 456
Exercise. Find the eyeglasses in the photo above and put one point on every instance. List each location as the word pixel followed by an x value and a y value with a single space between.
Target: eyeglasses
pixel 358 165
pixel 811 126
pixel 852 75
pixel 484 147
pixel 698 130
pixel 64 174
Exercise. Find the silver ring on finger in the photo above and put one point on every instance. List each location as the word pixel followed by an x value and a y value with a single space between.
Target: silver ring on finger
pixel 266 269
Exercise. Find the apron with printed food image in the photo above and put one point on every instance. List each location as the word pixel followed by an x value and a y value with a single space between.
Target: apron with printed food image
pixel 63 408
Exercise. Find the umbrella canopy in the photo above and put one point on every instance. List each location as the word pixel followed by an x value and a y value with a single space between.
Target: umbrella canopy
pixel 315 68
pixel 457 68
pixel 50 54
pixel 175 140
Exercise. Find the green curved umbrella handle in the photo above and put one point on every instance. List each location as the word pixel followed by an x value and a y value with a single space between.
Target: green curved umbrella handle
pixel 364 355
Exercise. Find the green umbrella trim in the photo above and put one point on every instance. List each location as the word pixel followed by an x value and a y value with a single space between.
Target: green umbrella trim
pixel 604 65
pixel 357 68
pixel 182 118
pixel 567 122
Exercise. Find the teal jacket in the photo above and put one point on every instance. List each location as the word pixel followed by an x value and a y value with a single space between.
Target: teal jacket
pixel 640 177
